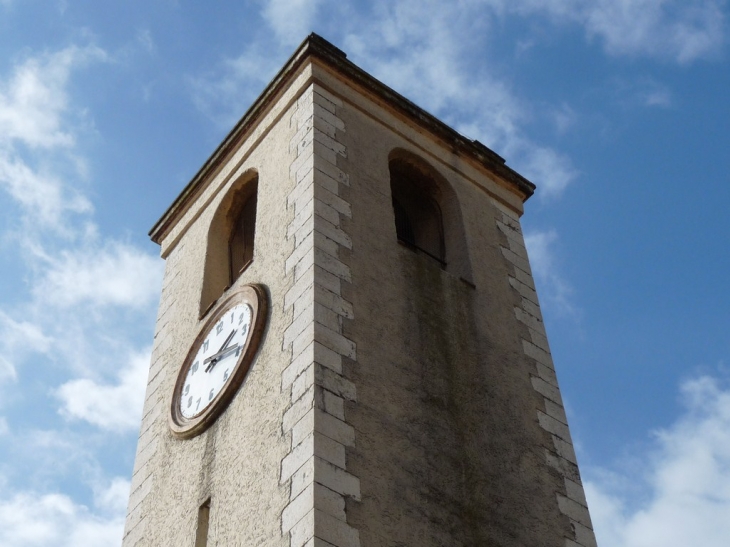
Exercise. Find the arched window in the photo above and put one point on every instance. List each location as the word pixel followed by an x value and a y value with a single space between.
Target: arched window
pixel 231 239
pixel 427 213
pixel 240 243
pixel 418 220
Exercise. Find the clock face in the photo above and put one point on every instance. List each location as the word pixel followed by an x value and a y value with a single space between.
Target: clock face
pixel 215 360
pixel 218 361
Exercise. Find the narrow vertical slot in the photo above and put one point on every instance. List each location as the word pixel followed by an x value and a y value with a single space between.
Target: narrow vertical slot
pixel 201 536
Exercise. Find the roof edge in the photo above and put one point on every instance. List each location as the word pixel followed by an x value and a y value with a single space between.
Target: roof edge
pixel 316 46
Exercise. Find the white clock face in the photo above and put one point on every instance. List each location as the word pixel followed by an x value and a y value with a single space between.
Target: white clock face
pixel 215 360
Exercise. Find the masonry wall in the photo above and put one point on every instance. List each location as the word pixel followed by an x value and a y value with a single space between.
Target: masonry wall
pixel 461 436
pixel 237 462
pixel 392 402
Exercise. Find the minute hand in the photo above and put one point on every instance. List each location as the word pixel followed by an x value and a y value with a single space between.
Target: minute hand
pixel 221 353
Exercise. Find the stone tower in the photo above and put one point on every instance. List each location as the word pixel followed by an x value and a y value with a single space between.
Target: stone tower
pixel 385 379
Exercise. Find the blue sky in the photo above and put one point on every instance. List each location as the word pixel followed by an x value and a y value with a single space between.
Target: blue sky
pixel 617 109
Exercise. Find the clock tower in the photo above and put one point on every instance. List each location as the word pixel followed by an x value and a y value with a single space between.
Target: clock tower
pixel 349 348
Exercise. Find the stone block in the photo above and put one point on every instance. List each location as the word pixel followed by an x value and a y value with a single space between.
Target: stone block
pixel 335 429
pixel 575 492
pixel 328 213
pixel 334 99
pixel 539 355
pixel 334 405
pixel 334 530
pixel 298 456
pixel 298 253
pixel 548 423
pixel 574 511
pixel 297 410
pixel 335 383
pixel 324 243
pixel 525 291
pixel 334 201
pixel 332 264
pixel 548 391
pixel 336 479
pixel 516 260
pixel 334 341
pixel 565 450
pixel 297 509
pixel 556 411
pixel 332 232
pixel 584 535
pixel 329 117
pixel 334 302
pixel 332 171
pixel 329 142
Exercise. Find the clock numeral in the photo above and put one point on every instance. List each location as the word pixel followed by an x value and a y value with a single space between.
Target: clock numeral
pixel 197 404
pixel 232 315
pixel 244 330
pixel 196 365
pixel 226 373
pixel 240 318
pixel 190 401
pixel 219 327
pixel 187 389
pixel 205 346
pixel 210 395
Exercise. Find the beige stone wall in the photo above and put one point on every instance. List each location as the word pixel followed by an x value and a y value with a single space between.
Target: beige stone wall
pixel 452 446
pixel 237 461
pixel 392 402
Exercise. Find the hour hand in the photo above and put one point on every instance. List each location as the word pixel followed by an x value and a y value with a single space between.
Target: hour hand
pixel 218 355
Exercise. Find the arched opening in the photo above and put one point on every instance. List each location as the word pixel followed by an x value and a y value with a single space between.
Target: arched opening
pixel 231 239
pixel 418 219
pixel 427 213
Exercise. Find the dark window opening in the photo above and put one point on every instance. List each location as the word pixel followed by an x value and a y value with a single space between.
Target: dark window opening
pixel 201 534
pixel 240 246
pixel 418 220
pixel 403 227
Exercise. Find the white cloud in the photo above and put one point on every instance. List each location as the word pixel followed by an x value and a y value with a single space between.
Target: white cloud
pixel 419 50
pixel 29 519
pixel 291 20
pixel 34 100
pixel 17 340
pixel 115 274
pixel 551 171
pixel 225 92
pixel 679 30
pixel 685 483
pixel 555 292
pixel 113 498
pixel 115 407
pixel 42 195
pixel 35 139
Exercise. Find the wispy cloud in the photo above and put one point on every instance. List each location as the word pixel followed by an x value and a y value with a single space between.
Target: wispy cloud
pixel 30 519
pixel 86 297
pixel 226 91
pixel 685 485
pixel 111 273
pixel 556 293
pixel 291 20
pixel 681 31
pixel 114 407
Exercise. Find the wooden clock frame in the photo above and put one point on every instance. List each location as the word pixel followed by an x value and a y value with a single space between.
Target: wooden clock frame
pixel 255 297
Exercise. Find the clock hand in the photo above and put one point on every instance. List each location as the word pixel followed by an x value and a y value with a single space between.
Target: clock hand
pixel 228 339
pixel 213 359
pixel 221 353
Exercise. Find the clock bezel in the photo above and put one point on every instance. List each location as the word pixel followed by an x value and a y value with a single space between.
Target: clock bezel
pixel 253 295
